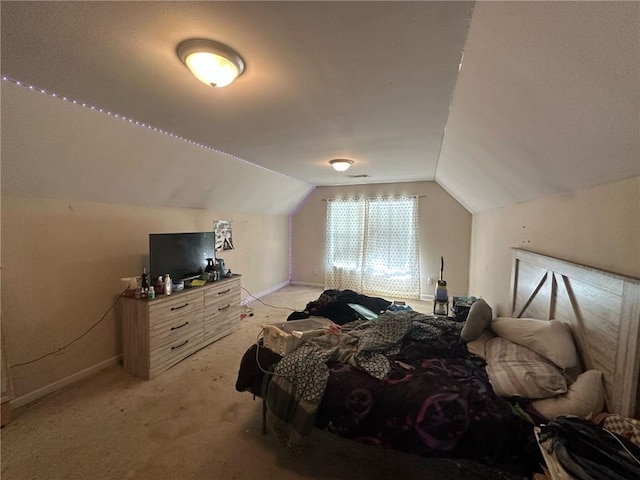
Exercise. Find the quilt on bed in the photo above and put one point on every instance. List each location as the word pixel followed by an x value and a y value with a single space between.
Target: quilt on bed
pixel 404 381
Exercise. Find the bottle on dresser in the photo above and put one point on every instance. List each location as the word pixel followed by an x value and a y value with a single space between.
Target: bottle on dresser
pixel 167 284
pixel 144 288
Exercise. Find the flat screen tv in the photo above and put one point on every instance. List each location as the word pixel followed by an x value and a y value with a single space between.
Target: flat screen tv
pixel 181 255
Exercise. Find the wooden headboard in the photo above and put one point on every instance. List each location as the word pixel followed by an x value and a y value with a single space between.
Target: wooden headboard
pixel 602 309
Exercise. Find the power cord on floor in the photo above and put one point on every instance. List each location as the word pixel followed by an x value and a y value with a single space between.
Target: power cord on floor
pixel 74 340
pixel 266 304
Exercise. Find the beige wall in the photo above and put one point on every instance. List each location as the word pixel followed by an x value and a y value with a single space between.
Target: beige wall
pixel 61 266
pixel 445 229
pixel 598 226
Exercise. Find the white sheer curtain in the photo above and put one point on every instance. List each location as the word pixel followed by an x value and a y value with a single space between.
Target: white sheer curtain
pixel 372 246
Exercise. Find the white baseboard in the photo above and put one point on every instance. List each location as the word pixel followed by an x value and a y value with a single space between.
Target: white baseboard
pixel 307 284
pixel 52 387
pixel 423 296
pixel 255 296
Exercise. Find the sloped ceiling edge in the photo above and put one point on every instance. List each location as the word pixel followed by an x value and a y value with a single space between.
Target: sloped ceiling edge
pixel 53 148
pixel 546 102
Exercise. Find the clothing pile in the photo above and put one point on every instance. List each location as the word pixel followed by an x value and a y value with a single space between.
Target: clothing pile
pixel 334 305
pixel 587 451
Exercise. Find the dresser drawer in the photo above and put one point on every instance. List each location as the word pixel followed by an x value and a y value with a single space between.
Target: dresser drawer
pixel 174 330
pixel 176 319
pixel 174 306
pixel 222 310
pixel 228 292
pixel 168 353
pixel 221 306
pixel 217 326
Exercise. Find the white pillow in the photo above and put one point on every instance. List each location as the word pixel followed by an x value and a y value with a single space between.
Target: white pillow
pixel 585 398
pixel 549 338
pixel 477 346
pixel 514 370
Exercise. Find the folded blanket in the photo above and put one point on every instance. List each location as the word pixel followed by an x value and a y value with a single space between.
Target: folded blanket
pixel 294 395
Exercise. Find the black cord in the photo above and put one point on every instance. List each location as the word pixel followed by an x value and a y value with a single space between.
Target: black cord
pixel 72 341
pixel 103 317
pixel 266 304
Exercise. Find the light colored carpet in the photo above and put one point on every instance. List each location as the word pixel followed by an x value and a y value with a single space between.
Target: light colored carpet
pixel 189 423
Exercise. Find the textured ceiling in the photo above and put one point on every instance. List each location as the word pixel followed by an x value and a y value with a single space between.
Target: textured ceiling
pixel 370 81
pixel 546 100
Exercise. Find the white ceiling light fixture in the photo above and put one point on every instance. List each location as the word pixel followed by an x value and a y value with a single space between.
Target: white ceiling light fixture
pixel 341 164
pixel 211 62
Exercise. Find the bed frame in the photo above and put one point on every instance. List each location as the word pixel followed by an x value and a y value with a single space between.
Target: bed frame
pixel 602 309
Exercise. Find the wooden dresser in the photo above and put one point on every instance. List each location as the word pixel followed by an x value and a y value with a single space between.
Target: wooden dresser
pixel 158 333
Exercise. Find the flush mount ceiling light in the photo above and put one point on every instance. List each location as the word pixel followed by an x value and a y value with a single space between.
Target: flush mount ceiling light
pixel 341 164
pixel 211 62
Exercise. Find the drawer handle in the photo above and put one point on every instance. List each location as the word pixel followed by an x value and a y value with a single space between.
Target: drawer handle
pixel 224 308
pixel 178 308
pixel 226 291
pixel 181 345
pixel 180 326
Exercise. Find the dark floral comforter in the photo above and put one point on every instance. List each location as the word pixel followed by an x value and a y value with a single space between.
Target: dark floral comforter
pixel 435 400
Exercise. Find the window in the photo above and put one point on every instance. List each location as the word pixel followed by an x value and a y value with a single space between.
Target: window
pixel 372 246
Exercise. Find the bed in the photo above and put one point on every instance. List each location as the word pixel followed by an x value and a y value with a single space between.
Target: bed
pixel 437 397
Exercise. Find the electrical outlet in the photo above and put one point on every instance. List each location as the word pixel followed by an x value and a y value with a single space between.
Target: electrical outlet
pixel 429 281
pixel 315 271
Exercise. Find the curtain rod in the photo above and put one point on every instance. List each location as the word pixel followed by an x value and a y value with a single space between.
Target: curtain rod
pixel 375 198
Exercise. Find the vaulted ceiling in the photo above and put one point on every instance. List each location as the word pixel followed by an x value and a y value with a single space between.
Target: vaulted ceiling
pixel 499 102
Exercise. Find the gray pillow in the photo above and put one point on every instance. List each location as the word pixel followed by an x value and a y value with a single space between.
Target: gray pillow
pixel 479 318
pixel 514 370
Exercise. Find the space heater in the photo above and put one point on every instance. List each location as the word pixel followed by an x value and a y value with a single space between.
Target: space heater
pixel 441 298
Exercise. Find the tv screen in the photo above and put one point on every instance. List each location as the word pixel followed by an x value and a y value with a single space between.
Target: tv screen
pixel 181 255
